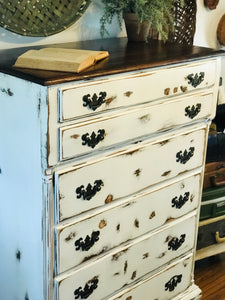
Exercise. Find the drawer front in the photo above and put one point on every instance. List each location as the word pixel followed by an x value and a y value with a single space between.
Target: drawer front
pixel 82 139
pixel 211 233
pixel 80 241
pixel 165 285
pixel 87 99
pixel 127 264
pixel 92 185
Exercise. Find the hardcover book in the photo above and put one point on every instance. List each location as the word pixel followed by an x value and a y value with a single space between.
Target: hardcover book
pixel 60 59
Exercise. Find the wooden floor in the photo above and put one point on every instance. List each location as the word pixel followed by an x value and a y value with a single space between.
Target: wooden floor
pixel 210 277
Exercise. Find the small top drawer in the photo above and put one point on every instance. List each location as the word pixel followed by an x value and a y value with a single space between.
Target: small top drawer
pixel 89 137
pixel 85 99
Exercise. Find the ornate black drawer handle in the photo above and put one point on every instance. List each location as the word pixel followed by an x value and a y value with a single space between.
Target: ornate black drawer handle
pixel 90 191
pixel 87 290
pixel 175 243
pixel 192 111
pixel 88 242
pixel 95 101
pixel 185 156
pixel 196 79
pixel 94 139
pixel 179 202
pixel 172 283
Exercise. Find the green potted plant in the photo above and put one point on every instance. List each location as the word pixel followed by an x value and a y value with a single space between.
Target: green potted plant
pixel 145 13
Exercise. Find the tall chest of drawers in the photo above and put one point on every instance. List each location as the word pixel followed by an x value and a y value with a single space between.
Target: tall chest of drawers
pixel 101 173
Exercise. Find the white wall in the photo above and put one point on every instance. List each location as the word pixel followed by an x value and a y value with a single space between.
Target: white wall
pixel 87 27
pixel 206 24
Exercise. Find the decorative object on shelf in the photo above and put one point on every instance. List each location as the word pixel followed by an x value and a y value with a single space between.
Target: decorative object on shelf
pixel 184 22
pixel 60 59
pixel 221 30
pixel 159 15
pixel 135 31
pixel 40 18
pixel 214 175
pixel 213 202
pixel 211 4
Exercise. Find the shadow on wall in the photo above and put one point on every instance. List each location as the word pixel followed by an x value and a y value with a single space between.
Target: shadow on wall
pixel 7 36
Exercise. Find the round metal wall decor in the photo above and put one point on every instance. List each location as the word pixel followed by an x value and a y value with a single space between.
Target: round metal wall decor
pixel 221 30
pixel 211 4
pixel 40 17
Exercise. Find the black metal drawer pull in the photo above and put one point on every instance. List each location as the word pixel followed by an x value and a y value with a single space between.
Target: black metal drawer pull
pixel 90 191
pixel 93 139
pixel 179 202
pixel 192 111
pixel 175 243
pixel 196 79
pixel 88 242
pixel 95 101
pixel 185 156
pixel 87 290
pixel 172 283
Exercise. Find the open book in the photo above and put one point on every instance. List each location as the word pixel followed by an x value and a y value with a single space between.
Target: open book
pixel 60 59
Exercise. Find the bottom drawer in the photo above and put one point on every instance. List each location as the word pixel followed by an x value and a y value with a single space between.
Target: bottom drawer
pixel 166 284
pixel 211 231
pixel 122 266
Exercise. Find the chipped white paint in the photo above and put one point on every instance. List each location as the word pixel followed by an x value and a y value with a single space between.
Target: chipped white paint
pixel 135 123
pixel 130 91
pixel 130 262
pixel 156 284
pixel 146 212
pixel 43 214
pixel 23 110
pixel 122 91
pixel 130 171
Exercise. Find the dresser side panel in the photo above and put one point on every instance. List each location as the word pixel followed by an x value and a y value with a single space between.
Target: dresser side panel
pixel 21 243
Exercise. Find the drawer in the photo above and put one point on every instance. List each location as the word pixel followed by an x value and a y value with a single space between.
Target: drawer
pixel 126 264
pixel 164 285
pixel 81 240
pixel 211 232
pixel 96 183
pixel 86 98
pixel 117 128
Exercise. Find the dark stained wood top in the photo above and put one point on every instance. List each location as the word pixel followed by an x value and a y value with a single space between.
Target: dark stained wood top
pixel 124 56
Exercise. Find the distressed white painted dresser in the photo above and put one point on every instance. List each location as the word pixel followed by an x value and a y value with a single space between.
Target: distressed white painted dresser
pixel 101 173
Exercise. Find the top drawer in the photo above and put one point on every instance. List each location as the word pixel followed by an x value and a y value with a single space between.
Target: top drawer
pixel 85 99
